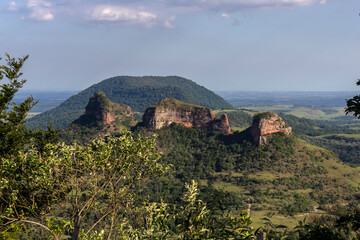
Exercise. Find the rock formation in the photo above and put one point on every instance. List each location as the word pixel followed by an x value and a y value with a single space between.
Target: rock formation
pixel 170 110
pixel 221 124
pixel 101 109
pixel 267 123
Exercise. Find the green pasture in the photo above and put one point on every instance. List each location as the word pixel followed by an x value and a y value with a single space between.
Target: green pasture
pixel 315 113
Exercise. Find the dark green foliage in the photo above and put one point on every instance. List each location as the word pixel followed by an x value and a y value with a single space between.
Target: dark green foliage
pixel 98 101
pixel 172 103
pixel 300 204
pixel 137 92
pixel 237 118
pixel 203 155
pixel 220 200
pixel 81 134
pixel 341 224
pixel 301 126
pixel 89 121
pixel 304 126
pixel 27 180
pixel 42 138
pixel 95 191
pixel 353 104
pixel 346 148
pixel 263 115
pixel 323 134
pixel 14 135
pixel 90 125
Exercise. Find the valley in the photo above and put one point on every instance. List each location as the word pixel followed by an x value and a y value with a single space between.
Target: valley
pixel 286 178
pixel 281 163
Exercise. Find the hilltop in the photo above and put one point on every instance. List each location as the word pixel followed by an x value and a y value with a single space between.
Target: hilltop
pixel 102 116
pixel 170 110
pixel 137 92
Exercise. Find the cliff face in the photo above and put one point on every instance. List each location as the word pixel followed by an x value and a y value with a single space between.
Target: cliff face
pixel 221 124
pixel 170 110
pixel 102 109
pixel 267 123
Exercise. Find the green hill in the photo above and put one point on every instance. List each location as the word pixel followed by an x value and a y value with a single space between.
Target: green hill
pixel 102 116
pixel 137 92
pixel 288 176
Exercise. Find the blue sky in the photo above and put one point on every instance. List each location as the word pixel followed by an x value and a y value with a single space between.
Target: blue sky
pixel 296 45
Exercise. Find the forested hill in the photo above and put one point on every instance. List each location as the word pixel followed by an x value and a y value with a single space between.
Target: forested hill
pixel 137 92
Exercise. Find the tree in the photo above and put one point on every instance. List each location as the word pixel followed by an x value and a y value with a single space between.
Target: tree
pixel 25 182
pixel 77 191
pixel 353 104
pixel 14 135
pixel 189 220
pixel 103 181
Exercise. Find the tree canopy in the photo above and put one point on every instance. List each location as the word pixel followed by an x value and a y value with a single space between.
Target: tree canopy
pixel 353 104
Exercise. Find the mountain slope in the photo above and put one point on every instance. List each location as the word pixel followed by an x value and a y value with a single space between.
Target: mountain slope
pixel 137 92
pixel 102 116
pixel 286 176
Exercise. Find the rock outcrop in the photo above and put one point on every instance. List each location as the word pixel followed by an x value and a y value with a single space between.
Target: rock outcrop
pixel 170 110
pixel 267 123
pixel 101 109
pixel 221 124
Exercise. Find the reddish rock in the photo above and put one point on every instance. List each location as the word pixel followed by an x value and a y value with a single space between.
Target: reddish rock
pixel 267 123
pixel 101 109
pixel 221 124
pixel 170 110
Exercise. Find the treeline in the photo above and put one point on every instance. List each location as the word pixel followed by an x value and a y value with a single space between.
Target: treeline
pixel 324 134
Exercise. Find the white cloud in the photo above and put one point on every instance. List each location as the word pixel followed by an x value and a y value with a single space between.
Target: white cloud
pixel 13 6
pixel 238 5
pixel 225 15
pixel 109 13
pixel 40 10
pixel 142 12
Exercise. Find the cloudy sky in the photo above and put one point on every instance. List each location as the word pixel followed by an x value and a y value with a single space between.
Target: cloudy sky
pixel 220 44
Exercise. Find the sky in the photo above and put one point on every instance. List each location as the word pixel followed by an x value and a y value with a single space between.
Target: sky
pixel 243 45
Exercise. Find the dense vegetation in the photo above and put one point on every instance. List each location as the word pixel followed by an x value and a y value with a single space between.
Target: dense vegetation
pixel 328 135
pixel 172 103
pixel 137 92
pixel 110 188
pixel 353 104
pixel 237 119
pixel 339 135
pixel 276 176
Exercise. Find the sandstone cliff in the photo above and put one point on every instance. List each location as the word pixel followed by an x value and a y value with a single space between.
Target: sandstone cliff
pixel 267 123
pixel 221 124
pixel 170 110
pixel 101 109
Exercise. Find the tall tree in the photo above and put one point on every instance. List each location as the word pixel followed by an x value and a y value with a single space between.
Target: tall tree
pixel 14 135
pixel 353 104
pixel 25 189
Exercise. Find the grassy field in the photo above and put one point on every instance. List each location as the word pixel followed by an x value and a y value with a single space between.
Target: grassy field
pixel 315 113
pixel 32 114
pixel 347 135
pixel 277 219
pixel 271 197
